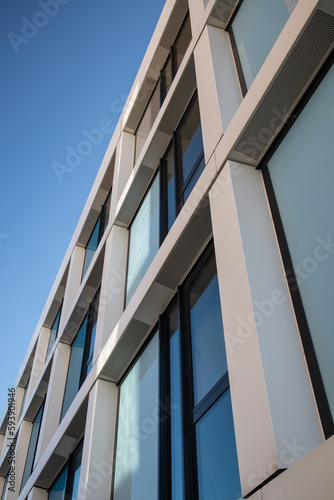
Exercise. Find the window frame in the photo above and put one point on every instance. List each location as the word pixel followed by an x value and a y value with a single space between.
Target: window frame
pixel 103 222
pixel 41 408
pixel 162 80
pixel 190 415
pixel 49 348
pixel 161 170
pixel 179 186
pixel 91 315
pixel 304 330
pixel 157 172
pixel 69 466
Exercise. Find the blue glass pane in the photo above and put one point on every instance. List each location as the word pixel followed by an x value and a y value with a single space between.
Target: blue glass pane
pixel 194 179
pixel 256 28
pixel 32 446
pixel 91 246
pixel 191 142
pixel 74 368
pixel 218 473
pixel 302 174
pixel 143 239
pixel 136 471
pixel 58 490
pixel 207 336
pixel 75 471
pixel 176 408
pixel 53 333
pixel 171 210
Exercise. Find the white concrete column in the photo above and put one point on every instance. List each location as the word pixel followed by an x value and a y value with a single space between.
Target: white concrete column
pixel 54 397
pixel 19 401
pixel 2 440
pixel 21 450
pixel 38 494
pixel 218 87
pixel 2 484
pixel 275 415
pixel 17 408
pixel 73 281
pixel 112 286
pixel 196 13
pixel 39 359
pixel 98 448
pixel 123 167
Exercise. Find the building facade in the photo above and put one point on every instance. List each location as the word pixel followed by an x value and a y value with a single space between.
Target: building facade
pixel 186 348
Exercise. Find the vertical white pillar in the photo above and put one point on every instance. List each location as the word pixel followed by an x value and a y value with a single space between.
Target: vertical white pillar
pixel 2 485
pixel 73 281
pixel 275 415
pixel 196 13
pixel 98 448
pixel 39 359
pixel 218 87
pixel 13 424
pixel 123 168
pixel 54 397
pixel 112 286
pixel 21 450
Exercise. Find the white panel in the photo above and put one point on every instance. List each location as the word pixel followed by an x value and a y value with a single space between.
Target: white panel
pixel 112 286
pixel 73 282
pixel 310 479
pixel 218 86
pixel 257 310
pixel 98 449
pixel 253 428
pixel 123 168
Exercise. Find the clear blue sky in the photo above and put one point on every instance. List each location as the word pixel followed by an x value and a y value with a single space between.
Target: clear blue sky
pixel 57 79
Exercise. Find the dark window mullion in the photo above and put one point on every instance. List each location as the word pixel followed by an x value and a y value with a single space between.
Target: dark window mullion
pixel 210 399
pixel 193 170
pixel 178 171
pixel 173 62
pixel 102 221
pixel 91 320
pixel 163 208
pixel 162 86
pixel 165 455
pixel 189 443
pixel 71 472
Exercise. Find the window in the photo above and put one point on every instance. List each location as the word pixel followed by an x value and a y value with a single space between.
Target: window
pixel 136 472
pixel 202 460
pixel 143 238
pixel 177 174
pixel 81 358
pixel 163 84
pixel 66 485
pixel 175 407
pixel 181 166
pixel 29 465
pixel 53 332
pixel 96 234
pixel 299 179
pixel 254 31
